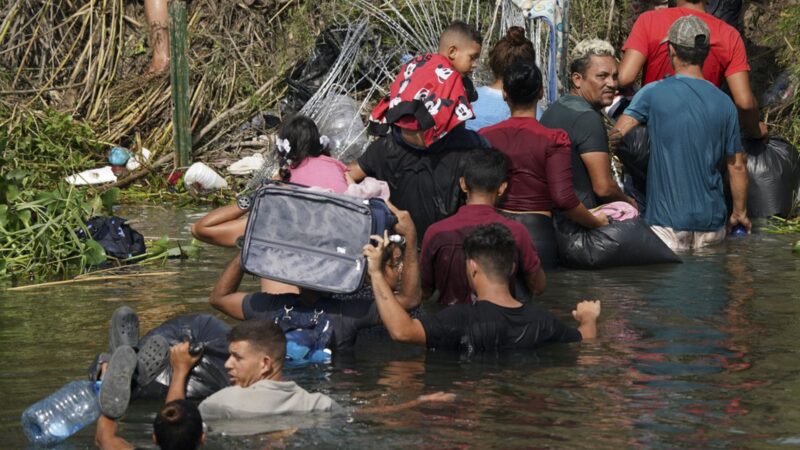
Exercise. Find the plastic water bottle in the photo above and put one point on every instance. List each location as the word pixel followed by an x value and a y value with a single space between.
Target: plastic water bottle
pixel 62 414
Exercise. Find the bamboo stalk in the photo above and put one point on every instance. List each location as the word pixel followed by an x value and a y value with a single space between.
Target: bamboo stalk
pixel 81 280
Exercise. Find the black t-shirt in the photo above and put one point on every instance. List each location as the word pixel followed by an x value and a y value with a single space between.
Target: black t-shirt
pixel 586 131
pixel 348 313
pixel 423 182
pixel 487 326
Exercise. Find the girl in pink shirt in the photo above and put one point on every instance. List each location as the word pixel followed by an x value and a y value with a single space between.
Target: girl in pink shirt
pixel 305 158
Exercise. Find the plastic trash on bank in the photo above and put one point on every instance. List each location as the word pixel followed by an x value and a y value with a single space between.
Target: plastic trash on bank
pixel 247 165
pixel 137 160
pixel 93 176
pixel 201 178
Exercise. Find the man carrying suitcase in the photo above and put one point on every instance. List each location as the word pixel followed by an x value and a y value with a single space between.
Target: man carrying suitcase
pixel 348 315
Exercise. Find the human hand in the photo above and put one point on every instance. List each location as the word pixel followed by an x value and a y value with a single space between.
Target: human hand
pixel 763 130
pixel 614 138
pixel 602 218
pixel 180 359
pixel 405 226
pixel 587 311
pixel 739 218
pixel 374 253
pixel 443 397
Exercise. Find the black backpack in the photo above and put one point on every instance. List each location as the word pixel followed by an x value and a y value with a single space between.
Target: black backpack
pixel 116 237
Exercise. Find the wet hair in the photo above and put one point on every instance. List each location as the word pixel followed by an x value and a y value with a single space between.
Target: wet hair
pixel 581 57
pixel 512 48
pixel 485 170
pixel 388 253
pixel 494 249
pixel 178 426
pixel 264 335
pixel 463 29
pixel 695 56
pixel 523 83
pixel 303 136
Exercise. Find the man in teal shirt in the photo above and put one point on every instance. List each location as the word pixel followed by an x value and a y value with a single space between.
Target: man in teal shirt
pixel 693 127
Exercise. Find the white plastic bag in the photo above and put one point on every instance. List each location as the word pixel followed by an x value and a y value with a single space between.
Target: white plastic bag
pixel 136 160
pixel 247 165
pixel 200 177
pixel 93 176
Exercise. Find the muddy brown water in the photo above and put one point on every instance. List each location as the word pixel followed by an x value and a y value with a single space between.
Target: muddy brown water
pixel 699 355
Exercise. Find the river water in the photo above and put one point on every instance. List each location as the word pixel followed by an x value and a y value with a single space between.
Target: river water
pixel 703 354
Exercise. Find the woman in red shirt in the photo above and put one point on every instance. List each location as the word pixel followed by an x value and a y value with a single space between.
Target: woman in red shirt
pixel 540 164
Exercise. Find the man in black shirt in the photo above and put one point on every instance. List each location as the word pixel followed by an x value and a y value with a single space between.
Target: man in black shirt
pixel 497 320
pixel 422 180
pixel 348 313
pixel 593 84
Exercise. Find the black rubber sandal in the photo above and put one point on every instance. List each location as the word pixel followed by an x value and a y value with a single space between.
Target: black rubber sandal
pixel 124 328
pixel 153 358
pixel 115 389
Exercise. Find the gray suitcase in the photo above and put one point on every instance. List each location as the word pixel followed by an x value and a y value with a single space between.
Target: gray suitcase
pixel 309 238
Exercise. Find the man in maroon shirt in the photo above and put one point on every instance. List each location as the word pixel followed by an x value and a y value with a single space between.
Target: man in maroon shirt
pixel 442 261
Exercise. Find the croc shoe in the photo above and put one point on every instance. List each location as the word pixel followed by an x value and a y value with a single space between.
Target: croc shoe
pixel 115 388
pixel 124 328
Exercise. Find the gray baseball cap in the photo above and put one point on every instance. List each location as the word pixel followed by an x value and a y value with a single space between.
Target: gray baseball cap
pixel 689 31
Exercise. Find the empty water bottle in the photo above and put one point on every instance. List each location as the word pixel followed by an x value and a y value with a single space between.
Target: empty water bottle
pixel 62 414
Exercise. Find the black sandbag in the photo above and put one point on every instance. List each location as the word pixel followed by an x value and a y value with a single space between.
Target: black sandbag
pixel 620 243
pixel 209 374
pixel 634 154
pixel 773 170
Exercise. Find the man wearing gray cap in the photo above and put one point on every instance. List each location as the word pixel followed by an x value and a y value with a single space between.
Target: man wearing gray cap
pixel 693 127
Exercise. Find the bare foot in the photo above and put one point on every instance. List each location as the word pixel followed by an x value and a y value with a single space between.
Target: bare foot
pixel 158 68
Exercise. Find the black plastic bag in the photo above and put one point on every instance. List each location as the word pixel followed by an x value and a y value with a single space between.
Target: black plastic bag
pixel 116 237
pixel 774 173
pixel 620 243
pixel 634 154
pixel 728 10
pixel 209 374
pixel 307 76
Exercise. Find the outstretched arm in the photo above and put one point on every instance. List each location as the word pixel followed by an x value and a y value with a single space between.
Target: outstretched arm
pixel 440 397
pixel 410 294
pixel 224 297
pixel 632 63
pixel 401 327
pixel 221 226
pixel 106 438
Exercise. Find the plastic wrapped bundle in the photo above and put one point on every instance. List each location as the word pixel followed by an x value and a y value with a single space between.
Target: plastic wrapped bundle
pixel 620 243
pixel 343 126
pixel 774 173
pixel 209 374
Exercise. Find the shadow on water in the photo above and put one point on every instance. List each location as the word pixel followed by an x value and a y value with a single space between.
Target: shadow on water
pixel 699 355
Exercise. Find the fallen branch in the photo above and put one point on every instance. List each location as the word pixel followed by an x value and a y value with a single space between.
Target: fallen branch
pixel 103 278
